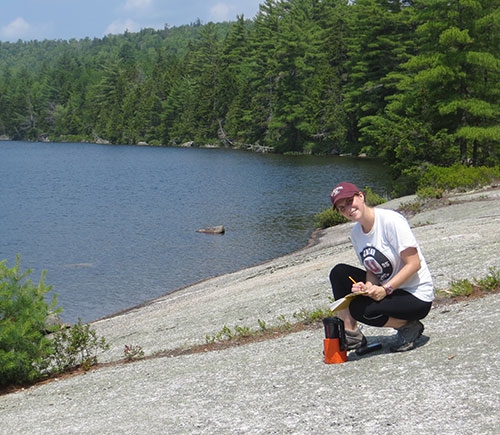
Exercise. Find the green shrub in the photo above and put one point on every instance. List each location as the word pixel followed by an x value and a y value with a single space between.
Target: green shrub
pixel 491 281
pixel 31 349
pixel 329 218
pixel 462 287
pixel 262 325
pixel 465 287
pixel 133 352
pixel 76 346
pixel 307 317
pixel 24 345
pixel 430 193
pixel 225 334
pixel 457 178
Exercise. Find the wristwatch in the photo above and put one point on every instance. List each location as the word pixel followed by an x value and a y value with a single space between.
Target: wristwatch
pixel 388 289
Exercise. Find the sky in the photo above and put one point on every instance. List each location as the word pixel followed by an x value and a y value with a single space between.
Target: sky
pixel 67 19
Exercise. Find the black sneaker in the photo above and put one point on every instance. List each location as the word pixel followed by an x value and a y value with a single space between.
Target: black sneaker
pixel 407 335
pixel 355 339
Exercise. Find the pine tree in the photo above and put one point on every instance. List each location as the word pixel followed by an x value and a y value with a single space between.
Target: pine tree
pixel 234 80
pixel 447 107
pixel 380 41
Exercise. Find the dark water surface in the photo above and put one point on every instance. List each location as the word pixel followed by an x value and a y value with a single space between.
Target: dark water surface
pixel 115 226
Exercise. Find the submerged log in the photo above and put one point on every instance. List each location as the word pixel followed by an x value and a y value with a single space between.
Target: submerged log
pixel 219 229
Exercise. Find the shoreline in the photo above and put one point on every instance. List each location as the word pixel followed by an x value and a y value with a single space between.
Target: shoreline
pixel 282 385
pixel 314 239
pixel 299 281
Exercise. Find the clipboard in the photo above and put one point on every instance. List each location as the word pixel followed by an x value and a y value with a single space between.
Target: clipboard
pixel 344 302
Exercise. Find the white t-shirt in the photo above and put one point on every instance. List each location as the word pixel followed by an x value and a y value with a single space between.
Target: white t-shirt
pixel 379 252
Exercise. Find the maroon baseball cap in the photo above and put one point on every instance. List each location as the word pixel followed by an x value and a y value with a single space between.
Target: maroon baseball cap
pixel 343 190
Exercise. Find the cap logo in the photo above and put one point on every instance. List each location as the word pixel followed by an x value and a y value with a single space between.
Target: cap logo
pixel 337 190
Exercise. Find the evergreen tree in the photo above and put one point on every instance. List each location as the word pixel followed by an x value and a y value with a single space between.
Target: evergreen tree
pixel 380 41
pixel 299 53
pixel 263 73
pixel 24 119
pixel 179 113
pixel 6 85
pixel 324 94
pixel 234 81
pixel 204 68
pixel 447 106
pixel 165 74
pixel 409 81
pixel 108 98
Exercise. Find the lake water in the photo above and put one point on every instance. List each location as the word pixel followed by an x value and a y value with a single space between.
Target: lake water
pixel 115 226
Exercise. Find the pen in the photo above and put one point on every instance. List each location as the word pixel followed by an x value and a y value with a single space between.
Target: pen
pixel 352 279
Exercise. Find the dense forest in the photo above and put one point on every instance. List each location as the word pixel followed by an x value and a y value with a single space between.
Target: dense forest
pixel 405 81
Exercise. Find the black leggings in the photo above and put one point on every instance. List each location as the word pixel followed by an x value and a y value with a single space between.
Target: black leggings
pixel 401 304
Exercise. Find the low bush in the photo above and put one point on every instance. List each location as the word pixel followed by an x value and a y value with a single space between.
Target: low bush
pixel 75 347
pixel 490 282
pixel 133 352
pixel 464 287
pixel 314 316
pixel 24 345
pixel 31 349
pixel 329 218
pixel 436 179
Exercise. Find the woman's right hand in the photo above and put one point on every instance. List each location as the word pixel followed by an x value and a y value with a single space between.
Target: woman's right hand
pixel 358 287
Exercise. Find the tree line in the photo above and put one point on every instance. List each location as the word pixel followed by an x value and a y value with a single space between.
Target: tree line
pixel 406 81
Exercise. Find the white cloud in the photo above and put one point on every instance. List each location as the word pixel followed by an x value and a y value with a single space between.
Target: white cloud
pixel 120 26
pixel 137 4
pixel 221 12
pixel 16 29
